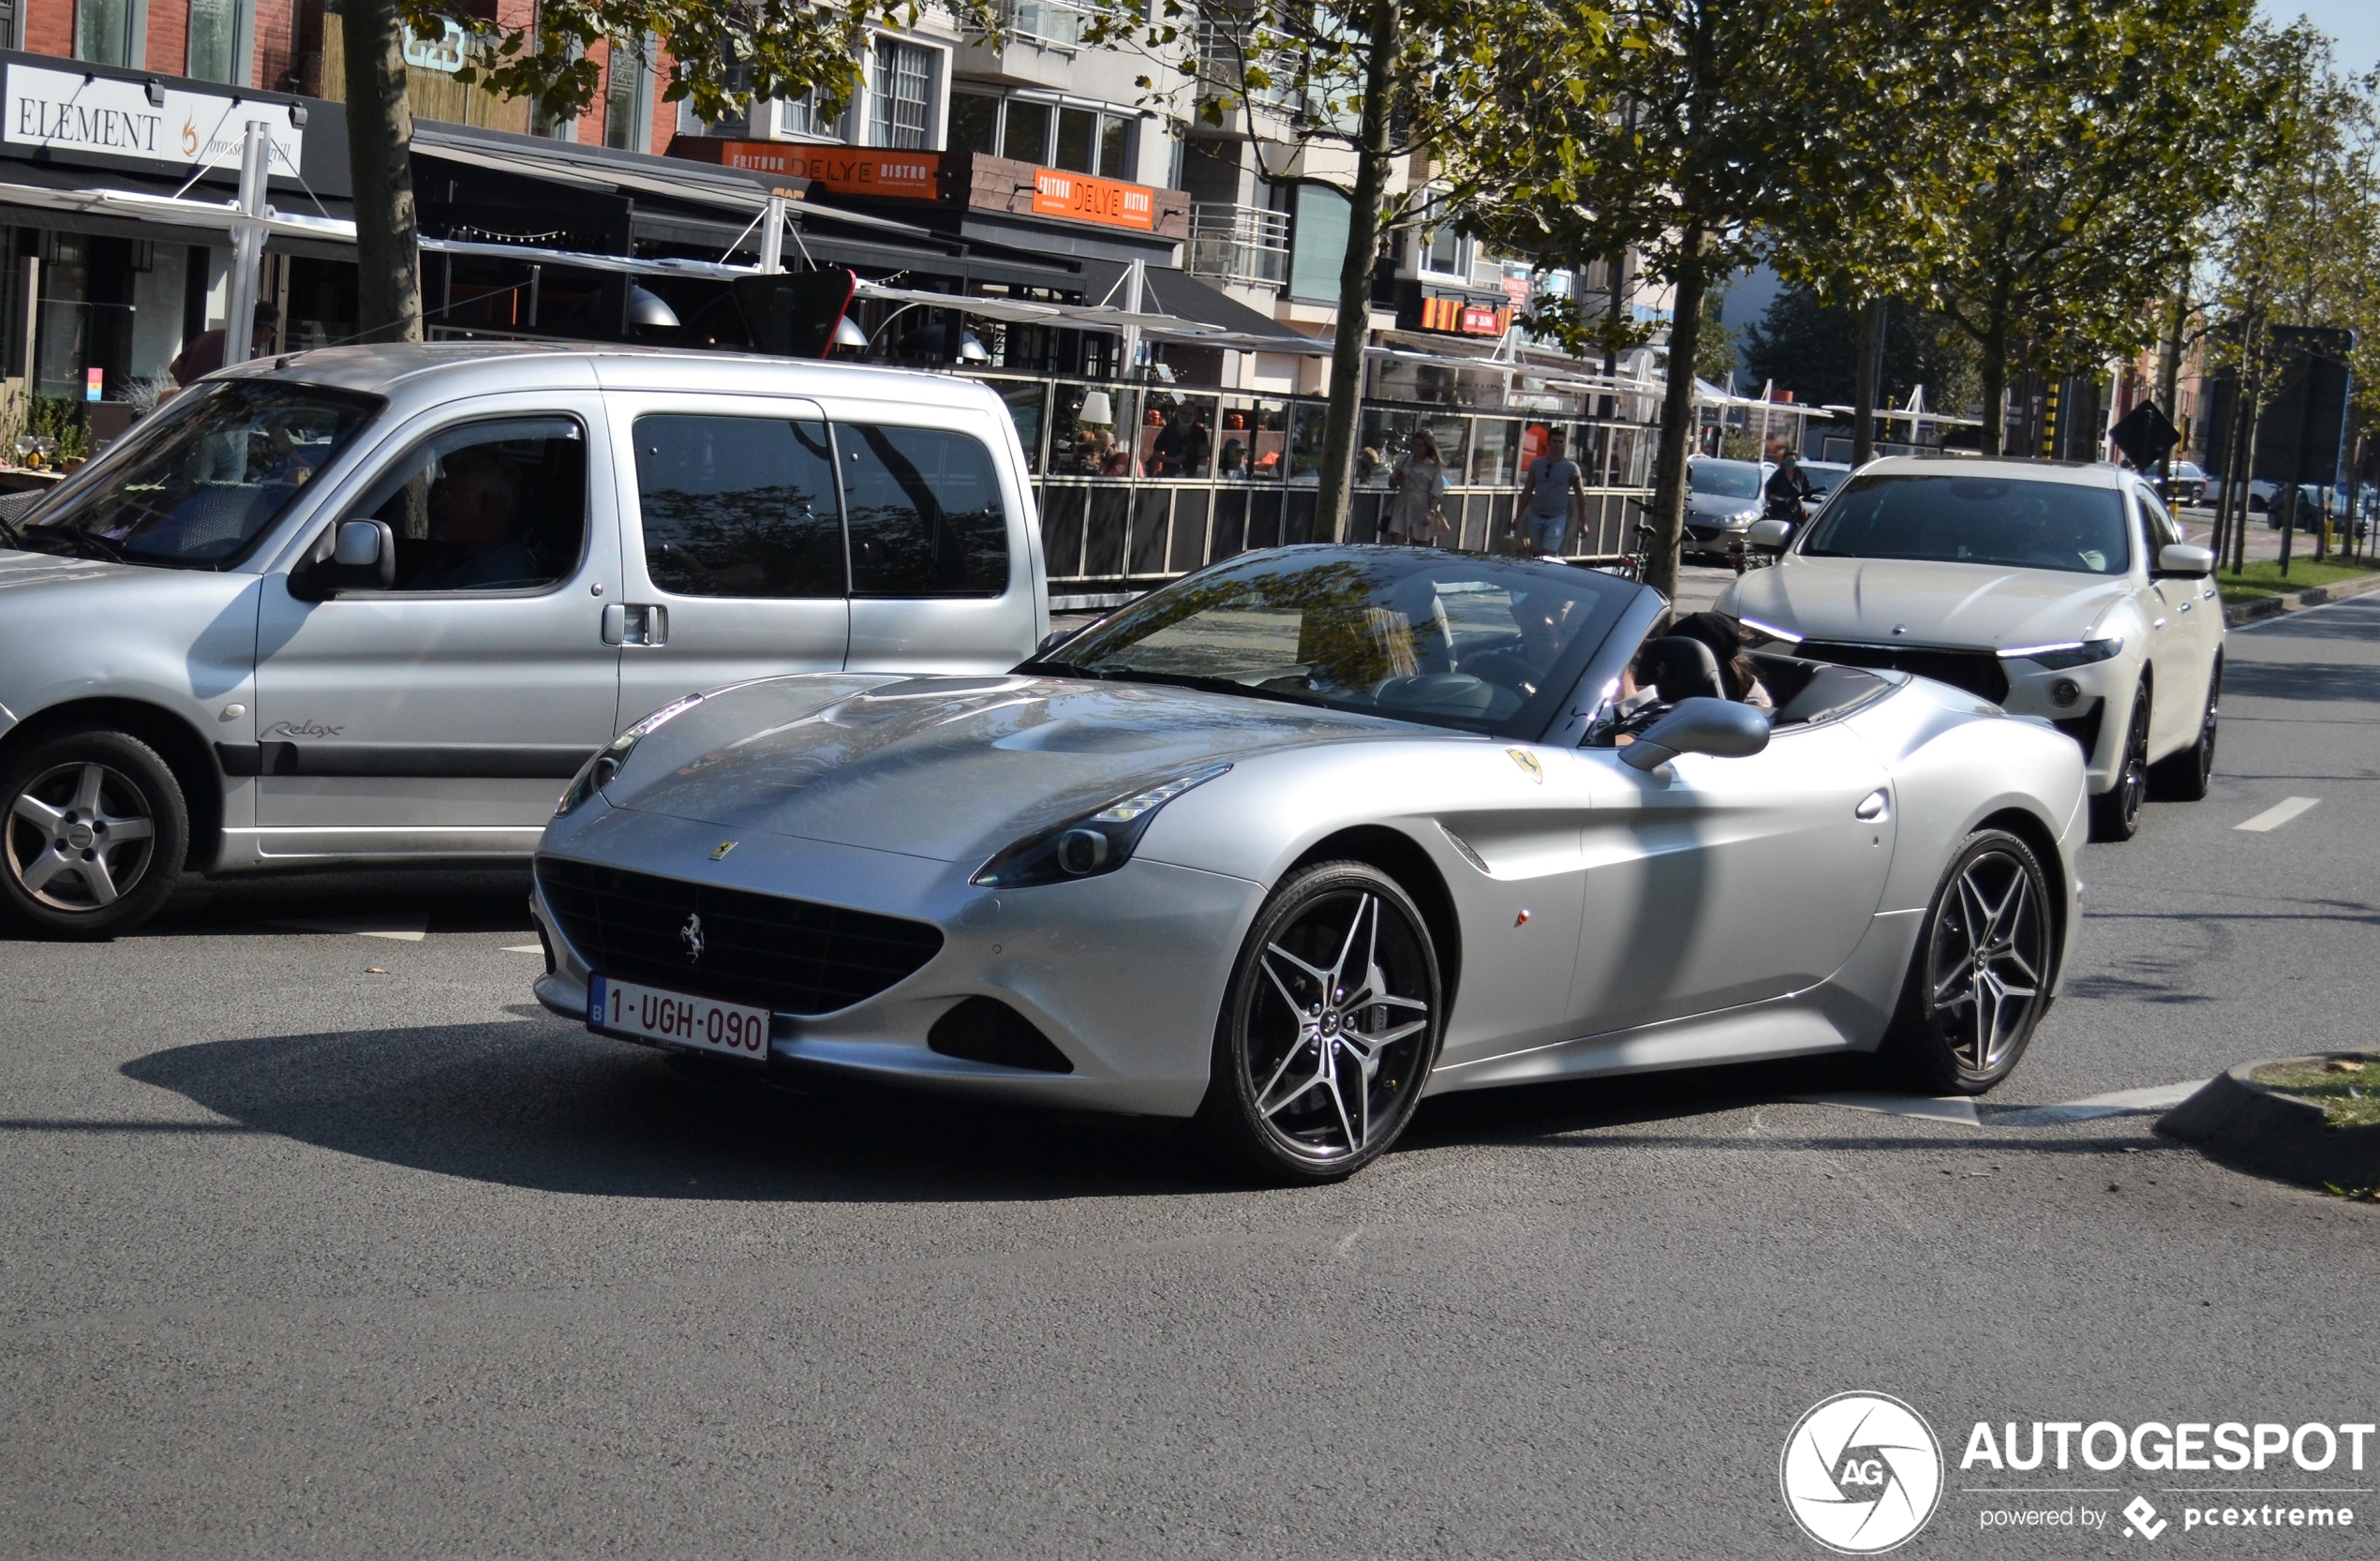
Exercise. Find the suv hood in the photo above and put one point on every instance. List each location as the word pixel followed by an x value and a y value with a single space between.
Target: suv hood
pixel 1866 600
pixel 945 767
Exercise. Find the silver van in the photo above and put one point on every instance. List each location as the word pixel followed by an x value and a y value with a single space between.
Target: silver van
pixel 377 604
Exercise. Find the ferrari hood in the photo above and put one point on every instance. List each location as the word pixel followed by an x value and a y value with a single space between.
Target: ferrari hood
pixel 1890 601
pixel 943 768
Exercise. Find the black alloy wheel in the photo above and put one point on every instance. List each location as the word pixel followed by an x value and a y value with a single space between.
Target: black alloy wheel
pixel 2115 814
pixel 95 833
pixel 2185 776
pixel 1980 979
pixel 1329 1030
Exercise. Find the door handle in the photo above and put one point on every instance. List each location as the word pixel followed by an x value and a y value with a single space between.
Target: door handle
pixel 2159 624
pixel 1871 806
pixel 2187 605
pixel 633 623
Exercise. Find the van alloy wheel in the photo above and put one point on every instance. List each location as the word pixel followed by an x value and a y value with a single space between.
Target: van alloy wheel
pixel 93 835
pixel 80 837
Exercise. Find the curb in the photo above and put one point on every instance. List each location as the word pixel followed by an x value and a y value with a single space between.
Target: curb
pixel 2273 606
pixel 2239 1122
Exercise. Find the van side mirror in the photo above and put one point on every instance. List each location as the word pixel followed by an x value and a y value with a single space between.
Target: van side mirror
pixel 1770 534
pixel 354 555
pixel 1719 727
pixel 2182 558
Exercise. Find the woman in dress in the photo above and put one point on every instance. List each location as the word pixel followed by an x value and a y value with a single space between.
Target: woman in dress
pixel 1417 515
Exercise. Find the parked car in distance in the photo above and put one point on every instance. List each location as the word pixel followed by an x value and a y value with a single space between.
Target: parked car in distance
pixel 1824 477
pixel 1722 499
pixel 2055 590
pixel 1155 870
pixel 377 604
pixel 2186 484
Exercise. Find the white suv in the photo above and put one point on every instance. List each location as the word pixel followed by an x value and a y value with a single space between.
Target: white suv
pixel 378 604
pixel 2058 590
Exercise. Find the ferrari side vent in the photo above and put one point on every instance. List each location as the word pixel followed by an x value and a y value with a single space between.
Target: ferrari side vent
pixel 986 1029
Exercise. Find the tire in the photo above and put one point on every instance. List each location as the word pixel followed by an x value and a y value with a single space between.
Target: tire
pixel 95 833
pixel 1979 981
pixel 1313 1080
pixel 2185 776
pixel 2115 814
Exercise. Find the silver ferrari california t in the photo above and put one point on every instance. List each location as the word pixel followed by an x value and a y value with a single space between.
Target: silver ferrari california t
pixel 1297 841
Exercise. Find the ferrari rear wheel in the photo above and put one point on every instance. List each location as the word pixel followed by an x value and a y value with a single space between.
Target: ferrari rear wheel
pixel 1980 979
pixel 1329 1030
pixel 2115 814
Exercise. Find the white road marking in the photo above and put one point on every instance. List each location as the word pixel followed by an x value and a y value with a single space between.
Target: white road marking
pixel 409 930
pixel 524 948
pixel 2278 814
pixel 1956 1108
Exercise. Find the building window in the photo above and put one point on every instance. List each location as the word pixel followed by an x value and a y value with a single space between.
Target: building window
pixel 103 32
pixel 903 94
pixel 628 96
pixel 1024 133
pixel 974 123
pixel 1079 137
pixel 1318 243
pixel 1445 252
pixel 219 39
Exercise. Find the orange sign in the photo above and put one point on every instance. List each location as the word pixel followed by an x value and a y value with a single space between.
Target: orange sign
pixel 908 175
pixel 1468 319
pixel 1080 197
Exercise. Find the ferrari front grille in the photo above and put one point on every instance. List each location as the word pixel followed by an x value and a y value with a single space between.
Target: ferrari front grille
pixel 1978 671
pixel 789 955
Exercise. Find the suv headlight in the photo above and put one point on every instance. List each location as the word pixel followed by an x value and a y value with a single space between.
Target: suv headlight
pixel 1088 844
pixel 2066 653
pixel 597 773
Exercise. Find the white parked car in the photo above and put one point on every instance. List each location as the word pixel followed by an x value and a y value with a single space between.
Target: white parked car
pixel 2063 591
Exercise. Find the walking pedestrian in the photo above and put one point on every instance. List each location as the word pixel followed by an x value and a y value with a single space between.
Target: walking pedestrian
pixel 1547 496
pixel 1417 493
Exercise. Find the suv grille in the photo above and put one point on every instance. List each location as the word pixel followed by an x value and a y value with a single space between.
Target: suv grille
pixel 1978 671
pixel 789 955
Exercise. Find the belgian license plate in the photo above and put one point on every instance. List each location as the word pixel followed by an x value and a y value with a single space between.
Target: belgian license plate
pixel 620 1008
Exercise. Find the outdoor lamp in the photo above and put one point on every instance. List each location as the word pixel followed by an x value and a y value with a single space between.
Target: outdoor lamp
pixel 650 311
pixel 848 334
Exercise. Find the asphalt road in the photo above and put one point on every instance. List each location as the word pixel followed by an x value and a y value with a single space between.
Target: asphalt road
pixel 319 1244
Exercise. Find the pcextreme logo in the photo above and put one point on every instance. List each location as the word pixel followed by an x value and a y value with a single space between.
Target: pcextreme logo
pixel 1861 1473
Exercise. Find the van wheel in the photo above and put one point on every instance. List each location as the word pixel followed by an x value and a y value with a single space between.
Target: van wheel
pixel 94 835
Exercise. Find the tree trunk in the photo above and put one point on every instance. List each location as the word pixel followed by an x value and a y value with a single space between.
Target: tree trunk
pixel 1354 331
pixel 1863 389
pixel 2169 365
pixel 1994 351
pixel 379 137
pixel 1677 417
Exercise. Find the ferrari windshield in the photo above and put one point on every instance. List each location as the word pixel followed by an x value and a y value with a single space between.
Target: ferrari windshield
pixel 1482 645
pixel 201 478
pixel 2007 522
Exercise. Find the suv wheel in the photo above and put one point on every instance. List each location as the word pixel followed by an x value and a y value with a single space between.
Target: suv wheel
pixel 2115 814
pixel 94 834
pixel 2184 776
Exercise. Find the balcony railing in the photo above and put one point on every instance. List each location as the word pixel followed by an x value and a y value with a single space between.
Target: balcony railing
pixel 1239 244
pixel 1059 23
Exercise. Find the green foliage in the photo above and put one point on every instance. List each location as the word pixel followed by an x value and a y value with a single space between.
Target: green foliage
pixel 1811 348
pixel 59 418
pixel 1714 349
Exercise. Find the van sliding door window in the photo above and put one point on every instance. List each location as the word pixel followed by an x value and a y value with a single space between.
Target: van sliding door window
pixel 738 506
pixel 927 517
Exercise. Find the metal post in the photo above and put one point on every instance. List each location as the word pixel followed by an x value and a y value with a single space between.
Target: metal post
pixel 772 236
pixel 1135 274
pixel 247 246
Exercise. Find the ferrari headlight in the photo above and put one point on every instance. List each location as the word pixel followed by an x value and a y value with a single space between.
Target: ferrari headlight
pixel 597 773
pixel 1088 844
pixel 2066 653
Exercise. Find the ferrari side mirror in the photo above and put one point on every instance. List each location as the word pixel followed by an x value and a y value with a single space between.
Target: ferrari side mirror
pixel 1719 727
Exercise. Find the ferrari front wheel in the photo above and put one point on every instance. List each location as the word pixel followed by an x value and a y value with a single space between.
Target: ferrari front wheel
pixel 1329 1028
pixel 1980 978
